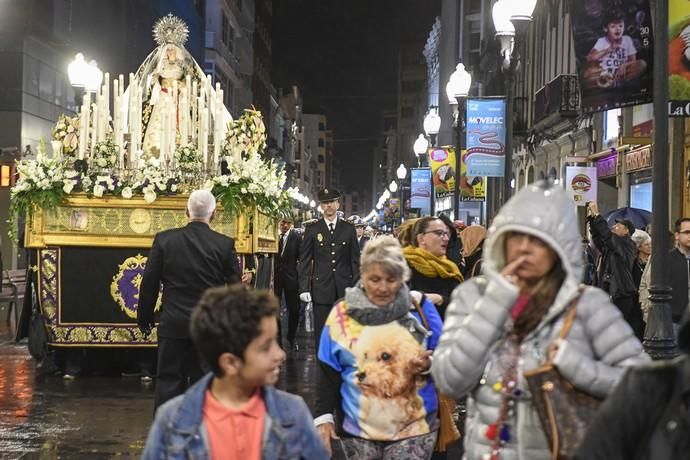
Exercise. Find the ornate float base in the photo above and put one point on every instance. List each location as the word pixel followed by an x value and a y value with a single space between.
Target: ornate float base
pixel 91 255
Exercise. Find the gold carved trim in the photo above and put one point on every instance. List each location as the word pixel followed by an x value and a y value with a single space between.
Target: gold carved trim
pixel 118 222
pixel 265 233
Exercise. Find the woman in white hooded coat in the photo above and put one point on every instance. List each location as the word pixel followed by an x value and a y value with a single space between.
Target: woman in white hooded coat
pixel 505 322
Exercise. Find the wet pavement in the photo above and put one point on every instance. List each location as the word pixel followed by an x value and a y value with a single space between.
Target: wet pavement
pixel 97 417
pixel 93 417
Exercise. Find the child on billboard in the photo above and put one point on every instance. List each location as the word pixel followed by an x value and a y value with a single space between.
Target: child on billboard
pixel 613 58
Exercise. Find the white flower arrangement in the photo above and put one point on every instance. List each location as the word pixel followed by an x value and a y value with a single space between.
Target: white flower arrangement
pixel 251 182
pixel 188 159
pixel 66 131
pixel 104 156
pixel 246 135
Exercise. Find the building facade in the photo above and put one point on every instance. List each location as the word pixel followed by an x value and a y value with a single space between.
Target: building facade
pixel 228 52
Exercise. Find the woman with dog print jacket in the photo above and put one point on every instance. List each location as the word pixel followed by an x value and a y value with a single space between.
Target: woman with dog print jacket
pixel 506 321
pixel 374 360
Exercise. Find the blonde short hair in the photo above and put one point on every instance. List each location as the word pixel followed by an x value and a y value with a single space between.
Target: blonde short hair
pixel 386 252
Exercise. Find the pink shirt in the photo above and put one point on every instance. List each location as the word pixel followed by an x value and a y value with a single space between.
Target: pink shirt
pixel 235 434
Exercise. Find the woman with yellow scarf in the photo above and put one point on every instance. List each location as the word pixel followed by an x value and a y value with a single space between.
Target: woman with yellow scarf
pixel 432 272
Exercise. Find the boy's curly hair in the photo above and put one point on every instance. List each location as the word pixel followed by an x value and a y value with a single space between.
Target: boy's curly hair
pixel 227 319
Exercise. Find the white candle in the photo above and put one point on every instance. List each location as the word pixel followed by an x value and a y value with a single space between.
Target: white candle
pixel 94 130
pixel 184 117
pixel 203 137
pixel 106 104
pixel 116 122
pixel 164 131
pixel 137 119
pixel 194 121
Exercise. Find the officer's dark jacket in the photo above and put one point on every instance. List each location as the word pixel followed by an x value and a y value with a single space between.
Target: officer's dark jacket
pixel 328 264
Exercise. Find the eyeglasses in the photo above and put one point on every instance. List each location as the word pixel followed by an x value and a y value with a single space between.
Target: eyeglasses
pixel 439 233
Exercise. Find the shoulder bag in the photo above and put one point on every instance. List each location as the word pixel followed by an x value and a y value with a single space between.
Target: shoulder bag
pixel 564 411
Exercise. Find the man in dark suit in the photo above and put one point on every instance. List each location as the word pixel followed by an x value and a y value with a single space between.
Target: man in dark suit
pixel 360 225
pixel 329 260
pixel 186 261
pixel 286 282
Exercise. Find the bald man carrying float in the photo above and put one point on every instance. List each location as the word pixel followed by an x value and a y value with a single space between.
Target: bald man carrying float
pixel 185 261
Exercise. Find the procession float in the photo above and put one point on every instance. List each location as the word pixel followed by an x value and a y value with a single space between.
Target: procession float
pixel 119 172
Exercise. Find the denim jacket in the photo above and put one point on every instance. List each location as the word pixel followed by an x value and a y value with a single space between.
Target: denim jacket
pixel 178 432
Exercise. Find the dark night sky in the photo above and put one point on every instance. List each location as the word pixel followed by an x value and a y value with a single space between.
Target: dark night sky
pixel 343 55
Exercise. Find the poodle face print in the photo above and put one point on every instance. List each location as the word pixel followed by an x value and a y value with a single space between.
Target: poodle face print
pixel 390 405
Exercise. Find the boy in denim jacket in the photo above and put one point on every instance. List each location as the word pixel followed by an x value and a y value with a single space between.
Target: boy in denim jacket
pixel 234 412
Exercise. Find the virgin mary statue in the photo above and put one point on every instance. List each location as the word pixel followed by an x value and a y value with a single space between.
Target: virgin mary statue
pixel 168 76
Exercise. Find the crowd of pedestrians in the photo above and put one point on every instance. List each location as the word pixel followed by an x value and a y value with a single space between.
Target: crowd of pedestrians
pixel 412 331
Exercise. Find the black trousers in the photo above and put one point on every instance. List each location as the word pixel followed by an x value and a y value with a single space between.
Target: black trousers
pixel 632 313
pixel 321 312
pixel 293 307
pixel 178 368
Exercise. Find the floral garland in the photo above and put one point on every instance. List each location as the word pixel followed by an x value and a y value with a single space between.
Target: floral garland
pixel 66 131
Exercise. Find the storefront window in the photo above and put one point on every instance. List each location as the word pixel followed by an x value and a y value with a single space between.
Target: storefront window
pixel 611 127
pixel 641 196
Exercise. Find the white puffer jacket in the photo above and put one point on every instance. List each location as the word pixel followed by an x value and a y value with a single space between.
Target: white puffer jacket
pixel 599 346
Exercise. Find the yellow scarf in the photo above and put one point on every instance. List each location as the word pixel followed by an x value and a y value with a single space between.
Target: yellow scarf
pixel 429 265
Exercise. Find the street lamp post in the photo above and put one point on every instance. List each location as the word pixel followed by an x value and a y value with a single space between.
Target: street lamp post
pixel 511 20
pixel 85 76
pixel 432 125
pixel 457 89
pixel 393 187
pixel 401 172
pixel 659 337
pixel 420 147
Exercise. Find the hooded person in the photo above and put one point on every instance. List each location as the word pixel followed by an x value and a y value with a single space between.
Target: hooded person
pixel 506 322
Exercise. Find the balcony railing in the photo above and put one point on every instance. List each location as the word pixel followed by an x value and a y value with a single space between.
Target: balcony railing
pixel 560 96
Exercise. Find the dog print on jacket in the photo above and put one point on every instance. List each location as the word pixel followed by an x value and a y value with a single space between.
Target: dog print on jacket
pixel 382 399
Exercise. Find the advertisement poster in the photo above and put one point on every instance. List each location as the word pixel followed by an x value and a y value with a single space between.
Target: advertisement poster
pixel 486 137
pixel 420 193
pixel 678 58
pixel 442 161
pixel 614 50
pixel 581 183
pixel 472 188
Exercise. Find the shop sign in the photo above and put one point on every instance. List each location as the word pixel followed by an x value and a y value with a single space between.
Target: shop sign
pixel 581 183
pixel 606 167
pixel 638 159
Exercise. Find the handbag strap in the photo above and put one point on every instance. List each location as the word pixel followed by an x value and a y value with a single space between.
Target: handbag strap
pixel 569 319
pixel 420 312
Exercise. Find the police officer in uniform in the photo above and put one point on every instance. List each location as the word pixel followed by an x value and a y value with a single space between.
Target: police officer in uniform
pixel 329 260
pixel 362 239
